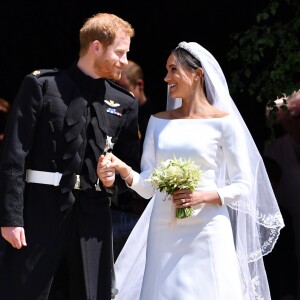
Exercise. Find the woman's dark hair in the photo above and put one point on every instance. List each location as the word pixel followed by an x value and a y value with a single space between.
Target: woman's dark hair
pixel 188 61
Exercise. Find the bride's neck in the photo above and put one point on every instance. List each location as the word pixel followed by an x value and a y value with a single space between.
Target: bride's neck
pixel 198 108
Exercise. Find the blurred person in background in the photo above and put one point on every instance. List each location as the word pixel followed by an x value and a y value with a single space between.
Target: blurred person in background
pixel 285 151
pixel 132 79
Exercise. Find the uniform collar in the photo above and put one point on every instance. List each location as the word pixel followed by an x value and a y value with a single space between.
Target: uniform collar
pixel 85 82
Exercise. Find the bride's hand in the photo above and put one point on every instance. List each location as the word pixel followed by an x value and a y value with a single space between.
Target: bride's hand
pixel 118 165
pixel 185 198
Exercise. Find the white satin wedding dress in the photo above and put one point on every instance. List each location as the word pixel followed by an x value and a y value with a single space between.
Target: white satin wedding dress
pixel 193 258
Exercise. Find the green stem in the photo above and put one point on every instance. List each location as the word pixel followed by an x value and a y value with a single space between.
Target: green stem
pixel 185 212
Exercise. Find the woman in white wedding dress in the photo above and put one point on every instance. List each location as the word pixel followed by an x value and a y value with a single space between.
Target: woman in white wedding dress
pixel 215 254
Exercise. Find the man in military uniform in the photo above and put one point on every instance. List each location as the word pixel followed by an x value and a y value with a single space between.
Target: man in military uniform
pixel 54 214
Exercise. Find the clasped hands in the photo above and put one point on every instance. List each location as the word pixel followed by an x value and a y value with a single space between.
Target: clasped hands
pixel 105 170
pixel 107 167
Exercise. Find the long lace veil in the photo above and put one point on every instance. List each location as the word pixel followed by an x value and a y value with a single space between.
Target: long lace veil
pixel 256 219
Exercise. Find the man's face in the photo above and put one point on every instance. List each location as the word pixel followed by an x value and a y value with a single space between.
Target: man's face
pixel 110 61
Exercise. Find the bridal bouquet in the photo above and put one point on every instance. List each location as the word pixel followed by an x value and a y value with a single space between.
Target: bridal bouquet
pixel 177 174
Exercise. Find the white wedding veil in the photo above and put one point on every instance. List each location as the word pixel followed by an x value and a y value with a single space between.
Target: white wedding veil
pixel 256 218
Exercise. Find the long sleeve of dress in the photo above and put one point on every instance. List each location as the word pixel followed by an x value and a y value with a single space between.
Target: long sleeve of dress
pixel 236 158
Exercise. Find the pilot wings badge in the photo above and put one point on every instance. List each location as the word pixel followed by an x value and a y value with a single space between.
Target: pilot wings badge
pixel 112 103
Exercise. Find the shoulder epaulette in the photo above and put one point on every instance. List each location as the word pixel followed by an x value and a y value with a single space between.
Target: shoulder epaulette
pixel 45 72
pixel 116 86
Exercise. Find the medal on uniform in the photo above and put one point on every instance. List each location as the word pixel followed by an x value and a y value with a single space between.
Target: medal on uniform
pixel 108 145
pixel 113 111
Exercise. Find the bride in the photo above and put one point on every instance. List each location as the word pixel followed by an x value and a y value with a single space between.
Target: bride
pixel 217 252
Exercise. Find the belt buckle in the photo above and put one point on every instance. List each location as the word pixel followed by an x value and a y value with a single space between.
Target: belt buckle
pixel 77 183
pixel 56 178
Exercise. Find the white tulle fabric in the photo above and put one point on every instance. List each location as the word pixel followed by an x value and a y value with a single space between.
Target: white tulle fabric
pixel 255 218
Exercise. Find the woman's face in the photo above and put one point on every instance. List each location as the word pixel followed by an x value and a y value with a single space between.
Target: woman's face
pixel 180 80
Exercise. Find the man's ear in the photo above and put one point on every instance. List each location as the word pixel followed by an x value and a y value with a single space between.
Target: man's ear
pixel 140 83
pixel 96 45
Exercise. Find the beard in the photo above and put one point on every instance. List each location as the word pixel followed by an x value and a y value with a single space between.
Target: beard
pixel 106 69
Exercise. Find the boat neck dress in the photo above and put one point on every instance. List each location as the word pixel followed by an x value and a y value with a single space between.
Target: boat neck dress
pixel 193 258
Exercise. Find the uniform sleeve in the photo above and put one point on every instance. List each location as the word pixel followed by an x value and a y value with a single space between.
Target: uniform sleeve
pixel 237 163
pixel 18 140
pixel 140 181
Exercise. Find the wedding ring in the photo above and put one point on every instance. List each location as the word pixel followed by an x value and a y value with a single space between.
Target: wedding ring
pixel 183 201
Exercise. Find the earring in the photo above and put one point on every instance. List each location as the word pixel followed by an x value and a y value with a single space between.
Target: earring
pixel 196 78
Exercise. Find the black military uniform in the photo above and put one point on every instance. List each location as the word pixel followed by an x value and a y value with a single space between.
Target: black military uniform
pixel 59 123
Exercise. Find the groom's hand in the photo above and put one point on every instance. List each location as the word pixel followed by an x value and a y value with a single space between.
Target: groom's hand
pixel 105 171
